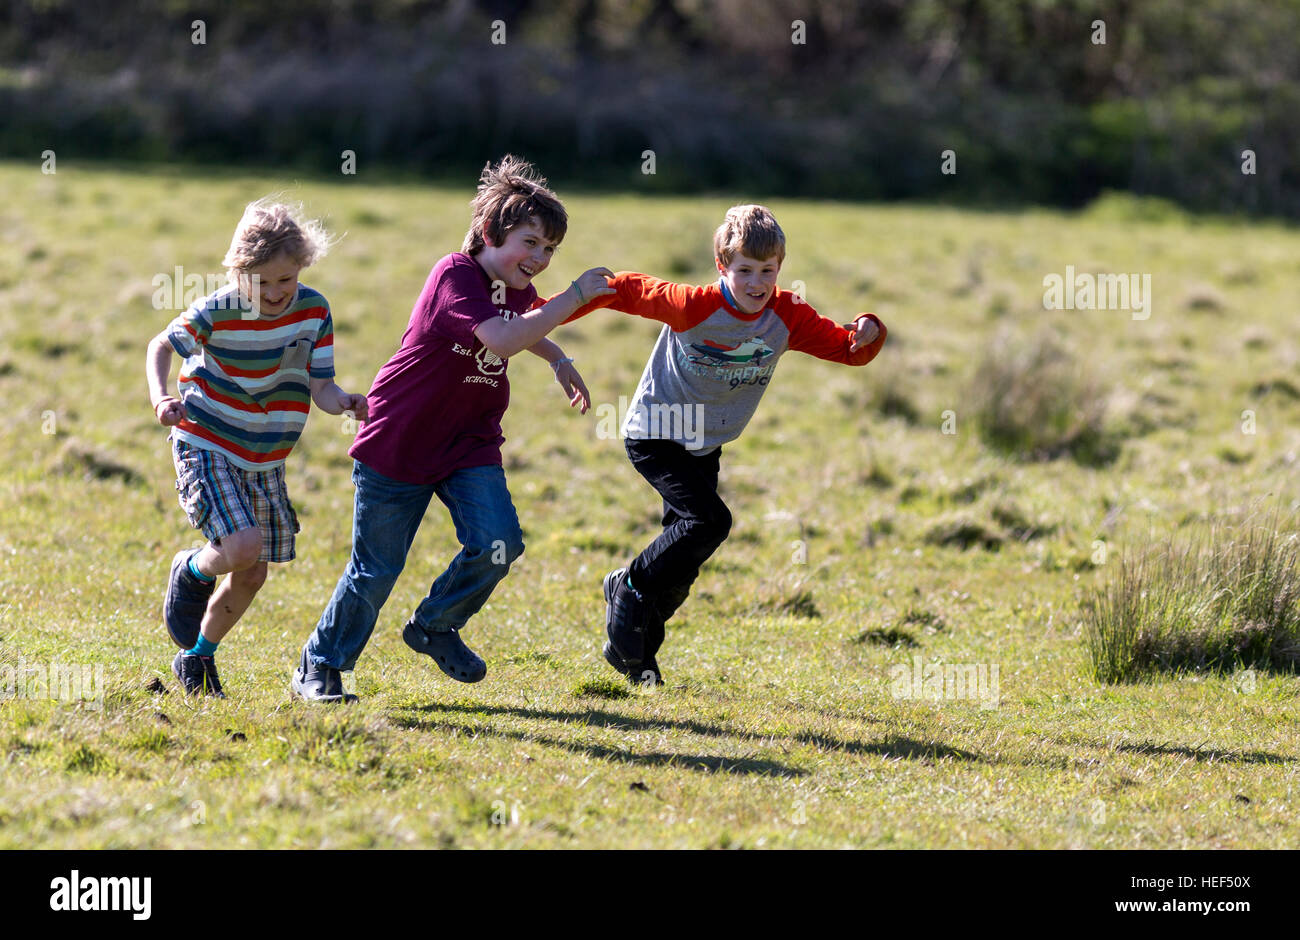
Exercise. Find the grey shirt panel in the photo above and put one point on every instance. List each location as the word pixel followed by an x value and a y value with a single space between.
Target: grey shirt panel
pixel 701 386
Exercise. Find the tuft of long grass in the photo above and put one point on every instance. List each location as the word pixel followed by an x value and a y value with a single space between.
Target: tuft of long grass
pixel 1217 602
pixel 1034 400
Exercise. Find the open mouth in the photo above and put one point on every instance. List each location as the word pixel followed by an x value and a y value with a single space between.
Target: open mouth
pixel 529 272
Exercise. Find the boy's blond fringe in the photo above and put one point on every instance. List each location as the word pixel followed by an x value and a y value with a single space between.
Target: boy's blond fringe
pixel 269 228
pixel 751 231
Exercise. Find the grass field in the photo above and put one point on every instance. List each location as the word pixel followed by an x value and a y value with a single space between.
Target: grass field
pixel 868 545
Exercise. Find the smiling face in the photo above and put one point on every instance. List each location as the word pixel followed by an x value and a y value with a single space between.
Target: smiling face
pixel 750 281
pixel 276 285
pixel 523 255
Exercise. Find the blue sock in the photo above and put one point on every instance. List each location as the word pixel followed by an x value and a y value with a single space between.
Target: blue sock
pixel 204 647
pixel 194 570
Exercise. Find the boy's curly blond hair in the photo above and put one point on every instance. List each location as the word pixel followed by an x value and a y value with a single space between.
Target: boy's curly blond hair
pixel 511 194
pixel 750 231
pixel 269 228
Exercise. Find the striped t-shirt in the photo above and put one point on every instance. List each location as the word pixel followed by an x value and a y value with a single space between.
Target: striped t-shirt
pixel 244 382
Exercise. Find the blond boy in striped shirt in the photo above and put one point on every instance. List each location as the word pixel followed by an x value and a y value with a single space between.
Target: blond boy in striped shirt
pixel 255 355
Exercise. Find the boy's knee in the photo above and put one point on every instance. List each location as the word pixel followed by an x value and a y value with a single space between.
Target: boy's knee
pixel 368 579
pixel 242 548
pixel 718 522
pixel 250 579
pixel 505 550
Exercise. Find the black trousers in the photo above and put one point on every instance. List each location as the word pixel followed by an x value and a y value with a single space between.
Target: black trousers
pixel 696 520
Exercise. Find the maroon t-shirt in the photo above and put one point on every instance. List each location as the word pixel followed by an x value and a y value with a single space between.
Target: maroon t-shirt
pixel 436 405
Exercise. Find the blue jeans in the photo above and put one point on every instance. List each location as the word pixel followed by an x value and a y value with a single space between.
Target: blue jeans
pixel 386 516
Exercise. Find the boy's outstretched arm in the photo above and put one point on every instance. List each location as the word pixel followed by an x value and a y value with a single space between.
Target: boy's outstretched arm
pixel 565 373
pixel 678 305
pixel 507 337
pixel 853 344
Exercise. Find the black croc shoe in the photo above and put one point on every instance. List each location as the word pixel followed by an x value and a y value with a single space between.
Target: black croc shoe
pixel 186 602
pixel 319 683
pixel 448 651
pixel 198 674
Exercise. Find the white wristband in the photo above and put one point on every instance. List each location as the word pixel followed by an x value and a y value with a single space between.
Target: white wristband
pixel 559 362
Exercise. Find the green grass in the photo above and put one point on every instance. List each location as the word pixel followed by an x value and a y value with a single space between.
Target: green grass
pixel 1033 399
pixel 1228 600
pixel 865 535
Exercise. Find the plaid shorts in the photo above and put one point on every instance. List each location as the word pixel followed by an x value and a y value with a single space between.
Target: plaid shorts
pixel 220 498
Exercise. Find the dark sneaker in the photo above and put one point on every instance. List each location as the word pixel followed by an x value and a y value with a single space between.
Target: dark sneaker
pixel 631 625
pixel 448 651
pixel 654 638
pixel 198 674
pixel 319 683
pixel 647 674
pixel 186 602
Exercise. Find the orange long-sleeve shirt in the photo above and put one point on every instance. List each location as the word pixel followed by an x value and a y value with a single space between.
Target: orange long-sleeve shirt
pixel 712 362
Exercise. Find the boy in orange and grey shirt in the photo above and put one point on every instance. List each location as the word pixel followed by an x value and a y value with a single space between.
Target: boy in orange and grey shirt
pixel 712 363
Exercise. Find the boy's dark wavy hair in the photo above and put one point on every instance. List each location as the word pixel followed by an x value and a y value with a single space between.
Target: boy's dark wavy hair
pixel 511 194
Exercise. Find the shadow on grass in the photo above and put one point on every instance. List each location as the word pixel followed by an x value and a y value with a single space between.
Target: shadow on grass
pixel 1196 753
pixel 708 763
pixel 892 747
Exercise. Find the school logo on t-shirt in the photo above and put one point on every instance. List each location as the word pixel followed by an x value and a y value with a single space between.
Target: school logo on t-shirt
pixel 489 363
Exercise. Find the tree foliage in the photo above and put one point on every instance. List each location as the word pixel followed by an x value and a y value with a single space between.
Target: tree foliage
pixel 803 97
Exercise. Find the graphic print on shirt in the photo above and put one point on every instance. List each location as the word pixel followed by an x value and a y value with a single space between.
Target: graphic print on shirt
pixel 488 362
pixel 752 351
pixel 741 364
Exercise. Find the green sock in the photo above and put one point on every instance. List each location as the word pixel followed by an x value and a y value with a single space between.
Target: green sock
pixel 204 647
pixel 194 570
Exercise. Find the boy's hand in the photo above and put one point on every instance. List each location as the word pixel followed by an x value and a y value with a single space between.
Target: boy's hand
pixel 864 330
pixel 169 411
pixel 573 386
pixel 357 404
pixel 592 284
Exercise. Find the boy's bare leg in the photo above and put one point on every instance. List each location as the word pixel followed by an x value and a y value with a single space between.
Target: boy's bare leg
pixel 237 551
pixel 236 556
pixel 230 600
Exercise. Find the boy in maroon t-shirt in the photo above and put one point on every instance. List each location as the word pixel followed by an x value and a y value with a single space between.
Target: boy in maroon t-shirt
pixel 434 429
